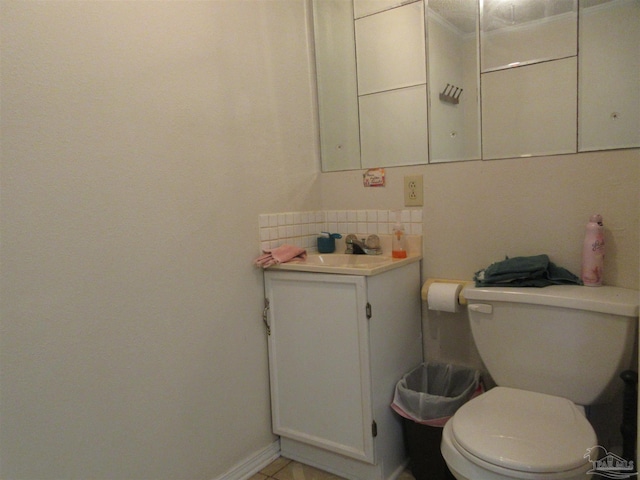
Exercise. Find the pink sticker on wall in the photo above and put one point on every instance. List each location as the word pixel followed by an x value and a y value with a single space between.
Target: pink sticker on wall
pixel 374 177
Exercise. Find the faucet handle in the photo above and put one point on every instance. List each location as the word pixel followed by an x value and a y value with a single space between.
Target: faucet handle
pixel 349 242
pixel 350 239
pixel 373 242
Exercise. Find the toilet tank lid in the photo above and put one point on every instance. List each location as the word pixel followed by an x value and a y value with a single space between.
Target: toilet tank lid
pixel 605 299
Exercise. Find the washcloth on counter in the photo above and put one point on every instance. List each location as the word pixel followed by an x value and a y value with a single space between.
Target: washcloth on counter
pixel 282 254
pixel 534 271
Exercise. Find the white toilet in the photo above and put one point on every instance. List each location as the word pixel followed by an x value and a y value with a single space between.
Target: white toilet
pixel 550 351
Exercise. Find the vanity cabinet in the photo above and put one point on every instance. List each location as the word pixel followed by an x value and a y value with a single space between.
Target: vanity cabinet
pixel 338 344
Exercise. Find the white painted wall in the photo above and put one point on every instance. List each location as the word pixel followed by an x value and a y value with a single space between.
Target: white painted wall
pixel 140 141
pixel 477 212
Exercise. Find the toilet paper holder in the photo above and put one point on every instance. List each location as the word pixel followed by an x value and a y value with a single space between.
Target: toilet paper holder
pixel 425 288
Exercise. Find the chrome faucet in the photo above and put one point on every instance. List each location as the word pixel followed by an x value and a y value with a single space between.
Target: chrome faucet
pixel 361 247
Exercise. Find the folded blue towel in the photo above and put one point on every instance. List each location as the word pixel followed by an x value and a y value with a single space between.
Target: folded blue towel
pixel 535 271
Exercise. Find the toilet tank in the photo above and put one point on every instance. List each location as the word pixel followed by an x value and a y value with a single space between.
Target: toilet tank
pixel 566 340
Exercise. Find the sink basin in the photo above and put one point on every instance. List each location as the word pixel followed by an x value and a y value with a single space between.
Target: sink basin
pixel 345 260
pixel 346 264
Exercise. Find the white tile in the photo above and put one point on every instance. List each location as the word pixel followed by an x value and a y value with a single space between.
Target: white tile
pixel 273 220
pixel 342 216
pixel 416 215
pixel 282 219
pixel 311 241
pixel 383 215
pixel 263 220
pixel 361 215
pixel 372 215
pixel 352 216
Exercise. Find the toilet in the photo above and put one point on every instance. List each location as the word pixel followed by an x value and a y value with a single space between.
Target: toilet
pixel 551 351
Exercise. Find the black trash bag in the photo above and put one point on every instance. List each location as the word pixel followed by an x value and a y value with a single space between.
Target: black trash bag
pixel 426 398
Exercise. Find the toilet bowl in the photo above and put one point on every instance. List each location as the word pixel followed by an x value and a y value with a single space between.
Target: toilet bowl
pixel 508 433
pixel 549 350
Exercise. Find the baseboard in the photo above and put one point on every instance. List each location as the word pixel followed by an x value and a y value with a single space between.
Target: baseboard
pixel 253 464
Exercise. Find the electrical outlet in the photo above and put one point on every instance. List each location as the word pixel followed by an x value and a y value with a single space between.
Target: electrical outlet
pixel 413 196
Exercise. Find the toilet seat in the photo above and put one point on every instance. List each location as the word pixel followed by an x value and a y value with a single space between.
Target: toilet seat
pixel 522 431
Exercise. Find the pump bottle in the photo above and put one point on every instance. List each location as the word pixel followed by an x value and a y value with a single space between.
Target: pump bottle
pixel 398 241
pixel 593 252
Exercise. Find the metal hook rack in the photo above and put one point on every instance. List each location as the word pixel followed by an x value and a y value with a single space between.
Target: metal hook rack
pixel 451 94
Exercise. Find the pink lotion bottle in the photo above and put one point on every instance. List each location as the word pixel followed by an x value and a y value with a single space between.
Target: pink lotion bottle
pixel 593 252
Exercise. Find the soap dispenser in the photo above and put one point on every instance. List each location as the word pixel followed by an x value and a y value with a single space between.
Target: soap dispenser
pixel 398 241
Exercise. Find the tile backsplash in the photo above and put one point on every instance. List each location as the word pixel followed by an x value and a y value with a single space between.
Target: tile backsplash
pixel 302 228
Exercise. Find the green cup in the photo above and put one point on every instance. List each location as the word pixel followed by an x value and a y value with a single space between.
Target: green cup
pixel 326 244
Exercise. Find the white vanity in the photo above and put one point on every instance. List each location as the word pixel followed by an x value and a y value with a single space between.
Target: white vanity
pixel 338 343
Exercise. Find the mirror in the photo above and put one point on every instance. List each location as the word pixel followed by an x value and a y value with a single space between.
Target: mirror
pixel 454 132
pixel 521 32
pixel 336 84
pixel 529 75
pixel 392 84
pixel 609 99
pixel 394 73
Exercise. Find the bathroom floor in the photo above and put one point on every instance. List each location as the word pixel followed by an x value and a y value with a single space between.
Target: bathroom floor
pixel 285 469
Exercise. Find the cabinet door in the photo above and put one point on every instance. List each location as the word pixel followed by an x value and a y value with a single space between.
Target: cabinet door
pixel 319 361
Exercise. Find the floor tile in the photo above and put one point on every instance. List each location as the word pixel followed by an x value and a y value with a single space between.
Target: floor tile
pixel 406 475
pixel 275 466
pixel 285 469
pixel 298 471
pixel 259 476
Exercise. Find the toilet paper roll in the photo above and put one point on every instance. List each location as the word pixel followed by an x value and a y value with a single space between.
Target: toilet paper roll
pixel 444 296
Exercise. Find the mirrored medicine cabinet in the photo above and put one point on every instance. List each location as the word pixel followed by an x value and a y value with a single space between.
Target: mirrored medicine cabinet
pixel 430 81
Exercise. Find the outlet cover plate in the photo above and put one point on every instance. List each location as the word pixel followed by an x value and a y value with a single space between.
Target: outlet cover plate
pixel 413 195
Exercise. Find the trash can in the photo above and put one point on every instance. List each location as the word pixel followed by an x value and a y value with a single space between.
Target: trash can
pixel 426 397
